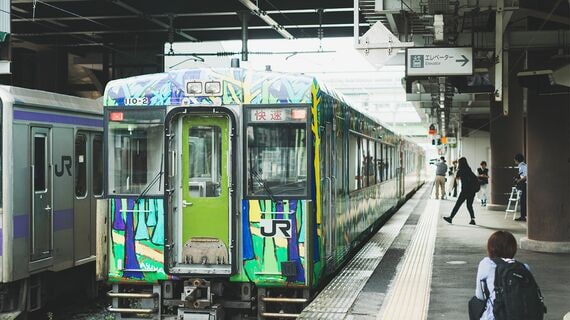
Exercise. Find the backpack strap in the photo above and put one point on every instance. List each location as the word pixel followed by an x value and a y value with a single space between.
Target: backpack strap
pixel 499 262
pixel 485 289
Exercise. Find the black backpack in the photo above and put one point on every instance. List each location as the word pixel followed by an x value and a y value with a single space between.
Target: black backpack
pixel 517 296
pixel 473 182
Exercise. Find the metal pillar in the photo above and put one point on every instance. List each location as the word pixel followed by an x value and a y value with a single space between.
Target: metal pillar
pixel 548 151
pixel 244 17
pixel 499 51
pixel 356 23
pixel 506 138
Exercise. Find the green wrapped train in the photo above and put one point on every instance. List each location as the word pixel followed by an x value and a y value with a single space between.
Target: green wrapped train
pixel 235 193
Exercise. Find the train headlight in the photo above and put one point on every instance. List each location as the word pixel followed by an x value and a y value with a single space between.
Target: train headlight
pixel 213 88
pixel 193 88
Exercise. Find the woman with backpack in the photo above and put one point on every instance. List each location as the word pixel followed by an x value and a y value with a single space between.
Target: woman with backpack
pixel 506 286
pixel 469 186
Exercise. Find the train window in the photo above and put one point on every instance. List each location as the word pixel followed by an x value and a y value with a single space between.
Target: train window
pixel 135 154
pixel 97 165
pixel 40 149
pixel 205 163
pixel 80 165
pixel 340 162
pixel 367 163
pixel 277 159
pixel 372 163
pixel 354 162
pixel 387 162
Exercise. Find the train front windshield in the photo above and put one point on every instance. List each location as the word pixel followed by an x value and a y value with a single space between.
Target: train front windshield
pixel 276 156
pixel 135 151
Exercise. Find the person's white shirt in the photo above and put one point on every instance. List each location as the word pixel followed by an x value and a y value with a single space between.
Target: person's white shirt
pixel 486 271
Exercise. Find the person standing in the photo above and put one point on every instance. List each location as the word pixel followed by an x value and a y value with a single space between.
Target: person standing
pixel 440 171
pixel 452 183
pixel 521 184
pixel 467 190
pixel 483 175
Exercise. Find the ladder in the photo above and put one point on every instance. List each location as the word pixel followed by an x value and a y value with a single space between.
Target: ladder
pixel 513 200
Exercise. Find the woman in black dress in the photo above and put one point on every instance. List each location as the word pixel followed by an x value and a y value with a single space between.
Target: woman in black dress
pixel 467 190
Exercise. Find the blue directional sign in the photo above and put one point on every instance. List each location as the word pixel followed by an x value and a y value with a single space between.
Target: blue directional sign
pixel 439 61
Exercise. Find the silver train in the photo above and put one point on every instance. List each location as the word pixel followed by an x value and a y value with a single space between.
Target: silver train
pixel 51 176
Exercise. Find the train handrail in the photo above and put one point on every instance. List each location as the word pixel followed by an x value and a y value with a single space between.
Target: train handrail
pixel 275 212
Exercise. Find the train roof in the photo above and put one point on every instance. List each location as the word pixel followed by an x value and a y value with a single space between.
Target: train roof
pixel 240 86
pixel 38 98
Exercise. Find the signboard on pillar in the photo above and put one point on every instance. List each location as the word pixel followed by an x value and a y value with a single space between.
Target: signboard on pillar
pixel 439 61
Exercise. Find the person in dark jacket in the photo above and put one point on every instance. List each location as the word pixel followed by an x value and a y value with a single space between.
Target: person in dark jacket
pixel 467 190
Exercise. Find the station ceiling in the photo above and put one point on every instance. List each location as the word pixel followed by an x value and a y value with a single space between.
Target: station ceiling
pixel 88 31
pixel 149 24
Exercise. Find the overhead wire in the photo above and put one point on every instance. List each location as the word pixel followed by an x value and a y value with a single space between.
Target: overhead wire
pixel 83 39
pixel 70 13
pixel 287 18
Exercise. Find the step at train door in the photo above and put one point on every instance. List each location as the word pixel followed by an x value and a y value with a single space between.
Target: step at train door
pixel 206 235
pixel 42 212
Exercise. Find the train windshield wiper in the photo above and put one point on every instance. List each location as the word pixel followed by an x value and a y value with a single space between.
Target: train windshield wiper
pixel 157 178
pixel 262 182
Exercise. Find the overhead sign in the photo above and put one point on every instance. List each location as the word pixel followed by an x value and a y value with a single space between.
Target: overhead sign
pixel 439 61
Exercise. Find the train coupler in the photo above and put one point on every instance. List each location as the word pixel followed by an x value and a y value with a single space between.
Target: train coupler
pixel 197 294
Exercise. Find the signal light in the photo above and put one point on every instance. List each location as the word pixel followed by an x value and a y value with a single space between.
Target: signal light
pixel 298 114
pixel 116 116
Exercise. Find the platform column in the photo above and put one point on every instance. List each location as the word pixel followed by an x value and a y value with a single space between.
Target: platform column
pixel 548 158
pixel 506 134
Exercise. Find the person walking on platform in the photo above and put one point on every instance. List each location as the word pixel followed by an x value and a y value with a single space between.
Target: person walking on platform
pixel 440 171
pixel 468 190
pixel 483 175
pixel 521 184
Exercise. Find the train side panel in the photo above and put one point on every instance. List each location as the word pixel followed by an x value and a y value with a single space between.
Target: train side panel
pixel 136 240
pixel 38 213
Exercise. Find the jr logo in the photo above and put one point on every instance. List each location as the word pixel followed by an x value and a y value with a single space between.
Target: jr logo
pixel 65 162
pixel 275 227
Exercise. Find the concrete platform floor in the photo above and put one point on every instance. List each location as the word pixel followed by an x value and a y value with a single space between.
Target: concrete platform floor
pixel 400 281
pixel 453 283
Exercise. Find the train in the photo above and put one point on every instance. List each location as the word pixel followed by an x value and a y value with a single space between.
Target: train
pixel 235 193
pixel 51 180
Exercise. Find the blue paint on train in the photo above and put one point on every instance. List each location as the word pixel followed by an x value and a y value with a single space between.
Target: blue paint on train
pixel 56 118
pixel 248 253
pixel 63 219
pixel 21 228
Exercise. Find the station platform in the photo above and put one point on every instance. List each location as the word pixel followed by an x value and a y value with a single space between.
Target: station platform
pixel 417 266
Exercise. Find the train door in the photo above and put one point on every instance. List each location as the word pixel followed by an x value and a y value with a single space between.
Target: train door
pixel 328 189
pixel 206 211
pixel 87 158
pixel 42 213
